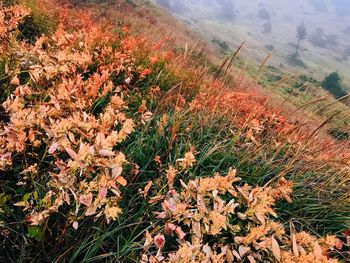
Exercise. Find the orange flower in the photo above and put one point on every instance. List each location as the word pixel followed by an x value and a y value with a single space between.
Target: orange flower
pixel 154 60
pixel 125 30
pixel 171 174
pixel 145 73
pixel 158 160
pixel 142 107
pixel 188 161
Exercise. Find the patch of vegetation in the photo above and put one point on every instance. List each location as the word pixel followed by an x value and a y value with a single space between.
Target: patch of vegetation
pixel 339 134
pixel 222 46
pixel 269 47
pixel 333 84
pixel 267 28
pixel 295 60
pixel 36 24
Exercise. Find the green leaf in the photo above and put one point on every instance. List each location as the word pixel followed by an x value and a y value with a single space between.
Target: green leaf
pixel 3 199
pixel 35 232
pixel 26 197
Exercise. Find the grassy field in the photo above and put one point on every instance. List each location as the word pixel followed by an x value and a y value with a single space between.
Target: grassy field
pixel 124 138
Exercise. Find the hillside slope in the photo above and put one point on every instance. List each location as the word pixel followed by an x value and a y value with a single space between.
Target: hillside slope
pixel 271 26
pixel 122 140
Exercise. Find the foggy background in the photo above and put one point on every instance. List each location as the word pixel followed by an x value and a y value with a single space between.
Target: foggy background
pixel 271 26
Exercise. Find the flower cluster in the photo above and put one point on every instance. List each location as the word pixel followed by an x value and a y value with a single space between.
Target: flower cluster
pixel 70 111
pixel 239 218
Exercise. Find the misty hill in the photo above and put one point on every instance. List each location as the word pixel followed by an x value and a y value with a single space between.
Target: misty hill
pixel 270 26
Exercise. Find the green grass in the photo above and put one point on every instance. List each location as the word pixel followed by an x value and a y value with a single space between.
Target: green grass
pixel 321 199
pixel 314 208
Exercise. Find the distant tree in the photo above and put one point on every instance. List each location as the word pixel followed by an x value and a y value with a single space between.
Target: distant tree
pixel 301 35
pixel 269 47
pixel 332 83
pixel 223 47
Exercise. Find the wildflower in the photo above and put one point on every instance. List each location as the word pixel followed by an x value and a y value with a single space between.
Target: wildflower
pixel 159 241
pixel 276 249
pixel 36 218
pixel 170 228
pixel 283 189
pixel 128 126
pixel 171 174
pixel 188 161
pixel 155 90
pixel 32 169
pixel 125 30
pixel 147 188
pixel 148 240
pixel 102 193
pixel 142 107
pixel 218 222
pixel 117 102
pixel 128 80
pixel 243 250
pixel 156 199
pixel 111 212
pixel 146 117
pixel 154 60
pixel 162 123
pixel 15 81
pixel 75 225
pixel 86 199
pixel 145 73
pixel 121 180
pixel 305 239
pixel 180 234
pixel 5 160
pixel 158 160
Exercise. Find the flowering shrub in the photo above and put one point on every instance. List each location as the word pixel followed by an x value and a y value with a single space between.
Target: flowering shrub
pixel 71 113
pixel 216 220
